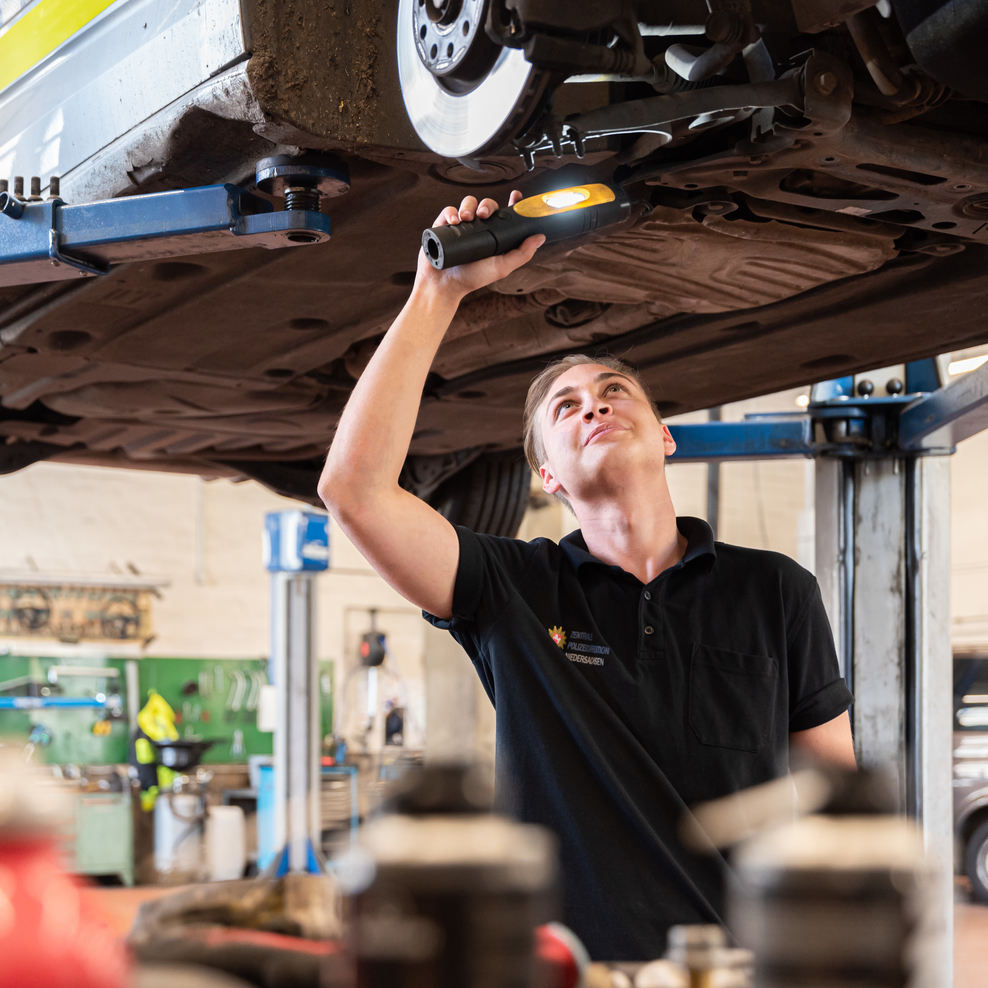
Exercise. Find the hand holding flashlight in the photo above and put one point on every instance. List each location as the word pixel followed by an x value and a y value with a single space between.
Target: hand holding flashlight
pixel 557 215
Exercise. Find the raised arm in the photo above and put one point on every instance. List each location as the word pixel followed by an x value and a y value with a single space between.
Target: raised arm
pixel 410 544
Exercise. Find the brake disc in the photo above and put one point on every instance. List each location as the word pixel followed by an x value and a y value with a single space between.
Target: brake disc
pixel 465 95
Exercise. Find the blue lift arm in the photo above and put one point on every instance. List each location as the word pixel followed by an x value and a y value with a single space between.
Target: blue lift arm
pixel 839 423
pixel 947 416
pixel 51 241
pixel 757 438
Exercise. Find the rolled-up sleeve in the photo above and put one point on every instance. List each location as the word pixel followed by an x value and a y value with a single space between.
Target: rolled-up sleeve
pixel 488 574
pixel 817 691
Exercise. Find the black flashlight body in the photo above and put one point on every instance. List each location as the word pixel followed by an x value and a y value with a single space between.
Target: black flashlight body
pixel 449 246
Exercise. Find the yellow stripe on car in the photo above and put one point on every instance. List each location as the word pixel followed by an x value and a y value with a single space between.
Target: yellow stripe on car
pixel 40 30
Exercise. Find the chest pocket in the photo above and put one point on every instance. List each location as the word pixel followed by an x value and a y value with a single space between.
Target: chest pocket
pixel 732 698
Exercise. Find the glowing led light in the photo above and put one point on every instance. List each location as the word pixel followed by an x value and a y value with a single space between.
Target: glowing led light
pixel 963 366
pixel 565 197
pixel 802 400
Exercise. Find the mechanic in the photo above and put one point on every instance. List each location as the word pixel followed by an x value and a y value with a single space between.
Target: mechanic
pixel 637 668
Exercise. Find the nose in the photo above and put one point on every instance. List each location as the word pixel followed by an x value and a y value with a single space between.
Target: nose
pixel 595 407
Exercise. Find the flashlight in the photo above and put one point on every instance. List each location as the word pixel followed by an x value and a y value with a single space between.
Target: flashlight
pixel 558 215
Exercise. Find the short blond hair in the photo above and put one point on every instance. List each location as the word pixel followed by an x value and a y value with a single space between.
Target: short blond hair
pixel 539 389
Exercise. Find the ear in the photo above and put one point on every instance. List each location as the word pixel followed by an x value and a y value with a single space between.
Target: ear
pixel 668 443
pixel 549 483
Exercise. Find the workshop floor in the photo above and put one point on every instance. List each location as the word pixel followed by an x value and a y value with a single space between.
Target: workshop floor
pixel 970 939
pixel 120 905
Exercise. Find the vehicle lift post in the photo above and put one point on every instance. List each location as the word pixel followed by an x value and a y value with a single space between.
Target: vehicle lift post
pixel 296 550
pixel 883 564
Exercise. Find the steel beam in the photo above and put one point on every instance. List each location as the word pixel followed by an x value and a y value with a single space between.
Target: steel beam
pixel 929 673
pixel 947 416
pixel 296 736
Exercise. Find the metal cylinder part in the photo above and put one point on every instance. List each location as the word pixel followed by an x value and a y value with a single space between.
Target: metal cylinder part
pixel 863 28
pixel 456 892
pixel 846 900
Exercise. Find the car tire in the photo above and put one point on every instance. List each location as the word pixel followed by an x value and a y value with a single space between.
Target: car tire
pixel 976 861
pixel 489 496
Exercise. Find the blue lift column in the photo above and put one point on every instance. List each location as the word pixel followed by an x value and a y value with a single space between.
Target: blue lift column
pixel 881 444
pixel 296 550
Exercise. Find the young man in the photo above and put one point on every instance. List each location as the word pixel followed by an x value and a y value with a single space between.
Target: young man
pixel 637 668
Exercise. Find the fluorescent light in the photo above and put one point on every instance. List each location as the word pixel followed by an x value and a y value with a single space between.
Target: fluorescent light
pixel 566 197
pixel 973 717
pixel 975 698
pixel 965 365
pixel 802 400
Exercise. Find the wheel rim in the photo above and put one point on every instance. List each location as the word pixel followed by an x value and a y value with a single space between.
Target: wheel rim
pixel 981 864
pixel 454 115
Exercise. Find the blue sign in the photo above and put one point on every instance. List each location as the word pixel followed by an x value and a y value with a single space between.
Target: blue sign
pixel 296 541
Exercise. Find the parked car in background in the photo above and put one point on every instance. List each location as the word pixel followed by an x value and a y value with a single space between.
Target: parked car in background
pixel 971 769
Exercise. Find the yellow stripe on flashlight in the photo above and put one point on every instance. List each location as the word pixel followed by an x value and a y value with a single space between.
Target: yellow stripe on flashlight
pixel 589 195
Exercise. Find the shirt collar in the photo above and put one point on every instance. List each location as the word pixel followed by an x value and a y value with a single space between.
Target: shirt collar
pixel 699 542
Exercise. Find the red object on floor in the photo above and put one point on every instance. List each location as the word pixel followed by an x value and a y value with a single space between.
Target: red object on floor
pixel 560 956
pixel 46 937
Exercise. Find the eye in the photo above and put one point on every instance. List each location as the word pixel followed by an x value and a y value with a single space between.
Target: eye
pixel 563 404
pixel 619 387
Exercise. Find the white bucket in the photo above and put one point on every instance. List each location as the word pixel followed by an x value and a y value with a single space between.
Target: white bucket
pixel 177 835
pixel 226 843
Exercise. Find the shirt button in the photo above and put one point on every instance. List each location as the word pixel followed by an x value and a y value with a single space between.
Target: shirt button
pixel 648 629
pixel 647 595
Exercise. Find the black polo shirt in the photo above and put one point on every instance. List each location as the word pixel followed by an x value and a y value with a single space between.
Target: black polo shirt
pixel 621 704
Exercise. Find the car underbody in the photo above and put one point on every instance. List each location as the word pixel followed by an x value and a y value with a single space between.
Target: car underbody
pixel 812 189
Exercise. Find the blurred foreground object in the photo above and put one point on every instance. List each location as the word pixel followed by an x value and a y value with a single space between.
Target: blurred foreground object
pixel 444 892
pixel 562 960
pixel 273 933
pixel 702 952
pixel 47 940
pixel 846 897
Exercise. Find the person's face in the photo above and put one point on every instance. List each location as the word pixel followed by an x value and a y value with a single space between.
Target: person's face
pixel 597 425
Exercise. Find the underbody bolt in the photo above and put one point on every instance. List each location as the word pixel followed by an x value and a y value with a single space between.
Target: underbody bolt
pixel 19 186
pixel 53 187
pixel 3 185
pixel 825 83
pixel 35 188
pixel 302 197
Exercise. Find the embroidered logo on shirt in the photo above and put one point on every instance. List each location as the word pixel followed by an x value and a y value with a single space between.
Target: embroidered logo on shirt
pixel 583 649
pixel 558 636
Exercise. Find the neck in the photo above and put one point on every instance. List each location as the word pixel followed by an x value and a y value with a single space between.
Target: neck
pixel 636 531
